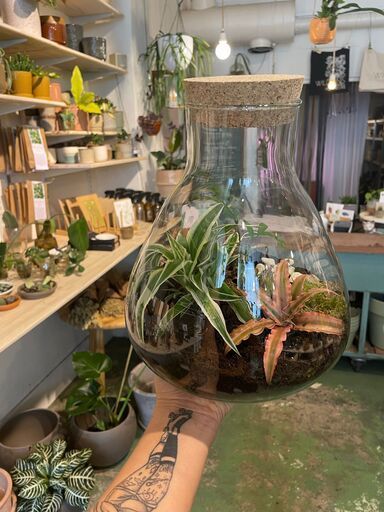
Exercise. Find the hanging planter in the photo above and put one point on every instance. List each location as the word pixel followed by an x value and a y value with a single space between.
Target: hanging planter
pixel 176 50
pixel 320 31
pixel 150 124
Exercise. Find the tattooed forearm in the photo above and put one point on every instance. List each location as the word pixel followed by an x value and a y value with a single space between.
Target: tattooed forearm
pixel 143 490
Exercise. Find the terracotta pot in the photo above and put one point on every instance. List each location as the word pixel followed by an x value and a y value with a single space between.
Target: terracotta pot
pixel 22 14
pixel 40 87
pixel 168 180
pixel 23 431
pixel 53 28
pixel 150 124
pixel 55 91
pixel 319 31
pixel 8 307
pixel 108 447
pixel 22 83
pixel 141 380
pixel 7 497
pixel 95 123
pixel 81 118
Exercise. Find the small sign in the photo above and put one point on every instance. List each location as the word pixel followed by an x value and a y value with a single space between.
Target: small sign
pixel 38 149
pixel 124 213
pixel 39 200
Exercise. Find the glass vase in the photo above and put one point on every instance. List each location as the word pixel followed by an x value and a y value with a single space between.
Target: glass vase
pixel 237 293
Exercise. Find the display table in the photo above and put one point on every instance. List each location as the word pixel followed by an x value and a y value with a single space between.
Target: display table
pixel 16 323
pixel 362 259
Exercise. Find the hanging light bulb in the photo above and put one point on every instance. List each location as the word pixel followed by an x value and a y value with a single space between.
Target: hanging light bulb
pixel 223 49
pixel 332 82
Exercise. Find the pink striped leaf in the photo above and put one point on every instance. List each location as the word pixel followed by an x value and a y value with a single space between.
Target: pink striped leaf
pixel 273 348
pixel 318 322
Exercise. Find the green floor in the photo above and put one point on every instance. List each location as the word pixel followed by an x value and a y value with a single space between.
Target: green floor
pixel 319 450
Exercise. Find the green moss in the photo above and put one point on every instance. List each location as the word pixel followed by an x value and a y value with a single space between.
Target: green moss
pixel 331 304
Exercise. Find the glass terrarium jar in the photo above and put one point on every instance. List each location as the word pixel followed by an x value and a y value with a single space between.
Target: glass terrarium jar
pixel 237 294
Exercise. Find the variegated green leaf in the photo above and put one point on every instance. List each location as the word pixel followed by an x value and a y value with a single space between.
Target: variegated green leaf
pixel 76 498
pixel 22 477
pixel 159 249
pixel 58 447
pixel 156 279
pixel 59 468
pixel 43 469
pixel 44 450
pixel 24 464
pixel 37 504
pixel 23 505
pixel 57 484
pixel 181 306
pixel 177 249
pixel 34 489
pixel 52 502
pixel 76 458
pixel 82 479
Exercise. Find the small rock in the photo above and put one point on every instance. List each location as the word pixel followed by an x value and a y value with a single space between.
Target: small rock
pixel 269 262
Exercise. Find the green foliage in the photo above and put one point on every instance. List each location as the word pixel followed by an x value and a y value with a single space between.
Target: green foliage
pixel 170 158
pixel 88 397
pixel 21 62
pixel 348 199
pixel 78 235
pixel 84 100
pixel 123 135
pixel 41 72
pixel 96 140
pixel 331 304
pixel 373 195
pixel 3 253
pixel 10 221
pixel 163 80
pixel 331 9
pixel 50 476
pixel 106 105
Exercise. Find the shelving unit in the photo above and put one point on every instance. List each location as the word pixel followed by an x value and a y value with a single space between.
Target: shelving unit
pixel 62 169
pixel 88 11
pixel 67 136
pixel 10 103
pixel 48 53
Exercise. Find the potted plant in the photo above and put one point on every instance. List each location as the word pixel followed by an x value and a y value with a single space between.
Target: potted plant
pixel 21 67
pixel 86 155
pixel 68 154
pixel 41 81
pixel 150 123
pixel 100 149
pixel 21 432
pixel 103 423
pixel 371 199
pixel 37 289
pixel 123 145
pixel 142 381
pixel 322 28
pixel 7 496
pixel 8 303
pixel 108 111
pixel 51 476
pixel 5 74
pixel 170 164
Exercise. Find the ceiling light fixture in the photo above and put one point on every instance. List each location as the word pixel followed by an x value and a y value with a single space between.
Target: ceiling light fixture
pixel 223 49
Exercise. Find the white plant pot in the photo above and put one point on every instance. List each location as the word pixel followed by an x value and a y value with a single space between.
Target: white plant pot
pixel 109 123
pixel 141 380
pixel 376 321
pixel 22 14
pixel 355 324
pixel 123 150
pixel 86 156
pixel 183 55
pixel 100 153
pixel 52 157
pixel 68 155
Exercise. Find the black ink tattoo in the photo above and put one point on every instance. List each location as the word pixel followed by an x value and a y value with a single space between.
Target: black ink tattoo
pixel 143 490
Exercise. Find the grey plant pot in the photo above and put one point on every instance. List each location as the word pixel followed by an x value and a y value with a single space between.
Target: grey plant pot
pixel 140 379
pixel 95 47
pixel 75 34
pixel 23 431
pixel 108 447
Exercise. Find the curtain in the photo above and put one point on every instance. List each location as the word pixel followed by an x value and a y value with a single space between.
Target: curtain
pixel 330 144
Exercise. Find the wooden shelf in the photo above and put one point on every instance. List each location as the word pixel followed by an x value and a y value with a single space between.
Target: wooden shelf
pixel 61 169
pixel 362 243
pixel 378 139
pixel 10 103
pixel 48 53
pixel 371 218
pixel 88 10
pixel 66 136
pixel 16 323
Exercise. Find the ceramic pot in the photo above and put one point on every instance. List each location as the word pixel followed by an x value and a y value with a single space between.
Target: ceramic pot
pixel 119 117
pixel 376 321
pixel 371 206
pixel 141 380
pixel 23 431
pixel 7 497
pixel 22 13
pixel 123 150
pixel 52 157
pixel 319 31
pixel 109 122
pixel 48 119
pixel 74 35
pixel 150 124
pixel 55 91
pixel 69 155
pixel 67 120
pixel 95 47
pixel 108 447
pixel 40 87
pixel 95 123
pixel 100 153
pixel 167 181
pixel 86 156
pixel 53 28
pixel 35 295
pixel 22 83
pixel 81 118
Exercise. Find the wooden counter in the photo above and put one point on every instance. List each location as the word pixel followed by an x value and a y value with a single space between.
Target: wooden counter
pixel 16 323
pixel 361 243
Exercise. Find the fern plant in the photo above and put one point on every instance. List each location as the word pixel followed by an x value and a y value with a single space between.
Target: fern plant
pixel 50 476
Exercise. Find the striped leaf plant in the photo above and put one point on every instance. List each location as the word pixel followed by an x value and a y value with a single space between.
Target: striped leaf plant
pixel 50 476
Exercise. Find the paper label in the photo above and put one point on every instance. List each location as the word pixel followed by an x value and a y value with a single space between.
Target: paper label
pixel 39 200
pixel 38 150
pixel 124 213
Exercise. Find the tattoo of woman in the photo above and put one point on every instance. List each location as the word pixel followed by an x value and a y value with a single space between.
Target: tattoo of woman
pixel 143 490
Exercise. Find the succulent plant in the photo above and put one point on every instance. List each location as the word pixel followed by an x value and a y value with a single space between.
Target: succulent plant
pixel 50 476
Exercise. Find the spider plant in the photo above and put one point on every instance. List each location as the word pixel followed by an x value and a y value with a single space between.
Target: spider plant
pixel 331 9
pixel 195 269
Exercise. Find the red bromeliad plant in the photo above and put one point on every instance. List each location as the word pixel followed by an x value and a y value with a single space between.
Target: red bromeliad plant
pixel 283 309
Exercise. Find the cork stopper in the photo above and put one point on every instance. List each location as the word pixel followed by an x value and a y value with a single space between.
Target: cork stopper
pixel 263 100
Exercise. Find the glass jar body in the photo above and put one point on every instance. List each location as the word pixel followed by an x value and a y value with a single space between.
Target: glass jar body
pixel 237 294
